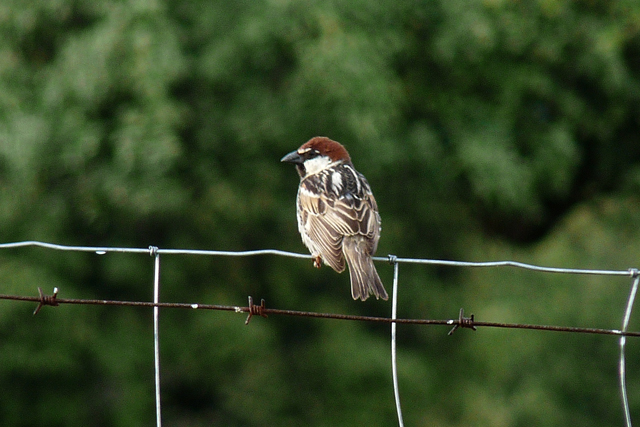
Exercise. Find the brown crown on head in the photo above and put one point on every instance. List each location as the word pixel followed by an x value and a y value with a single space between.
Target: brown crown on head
pixel 328 147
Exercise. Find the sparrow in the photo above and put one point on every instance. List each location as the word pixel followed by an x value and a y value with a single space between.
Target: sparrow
pixel 337 214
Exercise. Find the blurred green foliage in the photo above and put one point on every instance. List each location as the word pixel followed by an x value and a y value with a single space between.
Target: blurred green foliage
pixel 488 130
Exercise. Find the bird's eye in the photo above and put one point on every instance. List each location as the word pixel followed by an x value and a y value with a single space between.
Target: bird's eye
pixel 308 153
pixel 311 154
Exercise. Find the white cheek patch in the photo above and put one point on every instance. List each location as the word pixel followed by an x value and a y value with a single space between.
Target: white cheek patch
pixel 316 164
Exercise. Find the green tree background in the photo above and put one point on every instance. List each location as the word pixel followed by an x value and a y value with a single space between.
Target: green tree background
pixel 488 130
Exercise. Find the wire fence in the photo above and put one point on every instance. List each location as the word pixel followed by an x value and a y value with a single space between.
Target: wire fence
pixel 262 310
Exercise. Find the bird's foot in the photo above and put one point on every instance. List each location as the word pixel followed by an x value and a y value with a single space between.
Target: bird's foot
pixel 317 261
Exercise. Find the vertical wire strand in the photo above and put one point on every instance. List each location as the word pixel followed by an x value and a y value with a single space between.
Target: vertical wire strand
pixel 394 362
pixel 623 341
pixel 156 335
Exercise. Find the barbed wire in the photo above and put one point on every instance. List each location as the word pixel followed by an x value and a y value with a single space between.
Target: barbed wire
pixel 262 310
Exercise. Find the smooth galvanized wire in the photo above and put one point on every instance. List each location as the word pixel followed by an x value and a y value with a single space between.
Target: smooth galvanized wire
pixel 623 341
pixel 394 358
pixel 156 331
pixel 101 250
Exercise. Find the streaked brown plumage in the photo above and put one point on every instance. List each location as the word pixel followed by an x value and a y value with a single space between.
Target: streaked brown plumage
pixel 337 214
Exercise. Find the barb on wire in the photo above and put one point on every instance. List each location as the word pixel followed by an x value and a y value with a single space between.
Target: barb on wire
pixel 463 322
pixel 258 310
pixel 46 300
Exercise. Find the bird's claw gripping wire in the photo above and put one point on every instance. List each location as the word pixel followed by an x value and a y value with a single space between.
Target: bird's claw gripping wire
pixel 462 322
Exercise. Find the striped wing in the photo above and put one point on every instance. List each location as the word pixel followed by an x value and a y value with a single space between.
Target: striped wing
pixel 329 216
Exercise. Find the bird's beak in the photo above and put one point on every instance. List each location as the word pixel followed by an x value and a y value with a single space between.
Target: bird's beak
pixel 293 157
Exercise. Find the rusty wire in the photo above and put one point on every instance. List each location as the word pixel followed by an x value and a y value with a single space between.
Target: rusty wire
pixel 261 310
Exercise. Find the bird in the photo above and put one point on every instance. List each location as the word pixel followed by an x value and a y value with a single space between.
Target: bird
pixel 337 214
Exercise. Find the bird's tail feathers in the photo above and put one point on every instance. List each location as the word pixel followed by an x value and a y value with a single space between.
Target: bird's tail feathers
pixel 364 277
